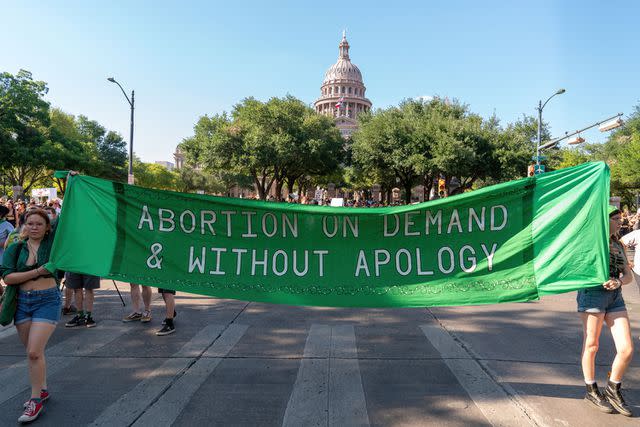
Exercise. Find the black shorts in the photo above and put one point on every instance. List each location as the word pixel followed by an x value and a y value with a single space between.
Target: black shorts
pixel 166 291
pixel 81 281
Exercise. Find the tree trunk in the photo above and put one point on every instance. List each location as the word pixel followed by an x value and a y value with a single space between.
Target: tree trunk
pixel 427 184
pixel 407 192
pixel 279 184
pixel 259 183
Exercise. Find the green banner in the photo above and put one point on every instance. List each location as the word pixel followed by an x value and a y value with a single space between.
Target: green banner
pixel 510 242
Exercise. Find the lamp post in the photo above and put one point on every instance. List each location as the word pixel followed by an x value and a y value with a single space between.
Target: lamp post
pixel 540 108
pixel 131 102
pixel 605 125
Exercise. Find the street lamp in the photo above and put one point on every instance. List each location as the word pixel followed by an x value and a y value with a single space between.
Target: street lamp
pixel 540 108
pixel 131 102
pixel 605 125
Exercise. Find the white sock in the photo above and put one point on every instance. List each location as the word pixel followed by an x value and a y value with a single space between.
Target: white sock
pixel 589 382
pixel 614 381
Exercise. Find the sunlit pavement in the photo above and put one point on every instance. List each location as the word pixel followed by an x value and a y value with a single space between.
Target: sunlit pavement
pixel 238 363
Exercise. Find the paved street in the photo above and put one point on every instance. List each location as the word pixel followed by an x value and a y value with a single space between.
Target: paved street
pixel 233 363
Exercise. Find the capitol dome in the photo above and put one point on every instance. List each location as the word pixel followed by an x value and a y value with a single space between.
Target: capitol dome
pixel 343 70
pixel 343 92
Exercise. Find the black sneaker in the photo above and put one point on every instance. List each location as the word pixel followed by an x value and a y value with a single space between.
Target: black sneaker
pixel 595 398
pixel 69 311
pixel 166 329
pixel 164 322
pixel 613 395
pixel 76 321
pixel 89 322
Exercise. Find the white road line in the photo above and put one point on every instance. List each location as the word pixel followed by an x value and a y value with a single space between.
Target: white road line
pixel 226 342
pixel 166 410
pixel 494 403
pixel 328 389
pixel 15 378
pixel 308 401
pixel 347 405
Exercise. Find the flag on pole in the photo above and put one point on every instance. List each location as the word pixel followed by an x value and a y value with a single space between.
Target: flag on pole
pixel 340 101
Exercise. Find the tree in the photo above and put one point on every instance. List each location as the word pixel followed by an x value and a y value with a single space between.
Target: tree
pixel 386 145
pixel 24 118
pixel 275 142
pixel 152 175
pixel 112 155
pixel 106 155
pixel 71 149
pixel 514 147
pixel 189 180
pixel 419 141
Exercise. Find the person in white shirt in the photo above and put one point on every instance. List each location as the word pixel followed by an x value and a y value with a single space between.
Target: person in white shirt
pixel 632 240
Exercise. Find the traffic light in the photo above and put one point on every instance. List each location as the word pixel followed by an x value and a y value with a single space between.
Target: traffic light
pixel 531 170
pixel 442 187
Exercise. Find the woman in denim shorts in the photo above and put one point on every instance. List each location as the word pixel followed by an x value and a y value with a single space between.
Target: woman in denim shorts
pixel 605 304
pixel 39 302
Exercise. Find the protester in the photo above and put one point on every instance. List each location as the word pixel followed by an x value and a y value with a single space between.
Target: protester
pixel 11 216
pixel 68 308
pixel 83 286
pixel 14 236
pixel 21 208
pixel 605 303
pixel 170 304
pixel 137 314
pixel 5 228
pixel 632 240
pixel 38 300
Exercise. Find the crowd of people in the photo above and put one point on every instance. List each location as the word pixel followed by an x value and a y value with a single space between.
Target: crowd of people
pixel 27 232
pixel 629 221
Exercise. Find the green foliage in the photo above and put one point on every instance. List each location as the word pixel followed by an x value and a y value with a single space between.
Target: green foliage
pixel 36 139
pixel 152 175
pixel 419 141
pixel 271 142
pixel 24 118
pixel 189 180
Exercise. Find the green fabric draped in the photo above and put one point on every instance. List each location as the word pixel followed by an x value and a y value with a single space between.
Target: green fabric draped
pixel 509 242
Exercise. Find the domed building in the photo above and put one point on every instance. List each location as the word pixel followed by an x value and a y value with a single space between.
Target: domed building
pixel 343 92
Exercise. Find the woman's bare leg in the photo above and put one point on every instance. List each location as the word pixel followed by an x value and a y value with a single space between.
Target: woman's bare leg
pixel 39 335
pixel 618 322
pixel 591 327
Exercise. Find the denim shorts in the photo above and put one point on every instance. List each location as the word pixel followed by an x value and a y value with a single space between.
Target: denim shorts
pixel 39 306
pixel 596 300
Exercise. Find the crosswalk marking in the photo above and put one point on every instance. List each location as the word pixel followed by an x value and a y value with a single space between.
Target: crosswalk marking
pixel 494 403
pixel 169 406
pixel 328 389
pixel 15 378
pixel 308 404
pixel 347 405
pixel 130 405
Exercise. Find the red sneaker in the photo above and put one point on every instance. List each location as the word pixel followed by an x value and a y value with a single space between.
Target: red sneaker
pixel 44 396
pixel 31 412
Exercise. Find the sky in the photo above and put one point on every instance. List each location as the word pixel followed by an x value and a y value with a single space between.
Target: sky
pixel 203 57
